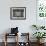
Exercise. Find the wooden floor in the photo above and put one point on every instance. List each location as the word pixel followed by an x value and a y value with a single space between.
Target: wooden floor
pixel 13 44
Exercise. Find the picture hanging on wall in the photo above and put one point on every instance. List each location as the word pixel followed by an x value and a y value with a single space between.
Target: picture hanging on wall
pixel 41 8
pixel 18 13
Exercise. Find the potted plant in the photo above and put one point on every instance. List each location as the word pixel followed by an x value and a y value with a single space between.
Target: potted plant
pixel 39 35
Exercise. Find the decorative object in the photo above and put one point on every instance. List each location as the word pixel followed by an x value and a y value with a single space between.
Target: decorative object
pixel 18 13
pixel 14 30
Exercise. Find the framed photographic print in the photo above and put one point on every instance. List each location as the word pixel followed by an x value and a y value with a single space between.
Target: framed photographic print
pixel 18 13
pixel 41 12
pixel 41 8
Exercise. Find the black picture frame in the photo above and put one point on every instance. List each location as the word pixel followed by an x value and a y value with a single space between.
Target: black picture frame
pixel 18 13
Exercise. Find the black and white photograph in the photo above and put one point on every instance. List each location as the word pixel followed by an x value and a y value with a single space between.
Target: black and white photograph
pixel 18 13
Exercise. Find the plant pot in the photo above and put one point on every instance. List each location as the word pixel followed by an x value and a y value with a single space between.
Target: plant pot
pixel 40 40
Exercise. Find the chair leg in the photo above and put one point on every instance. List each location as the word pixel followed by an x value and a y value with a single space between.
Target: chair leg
pixel 5 39
pixel 5 43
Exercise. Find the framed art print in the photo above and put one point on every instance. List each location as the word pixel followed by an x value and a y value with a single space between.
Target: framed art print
pixel 18 13
pixel 41 8
pixel 41 12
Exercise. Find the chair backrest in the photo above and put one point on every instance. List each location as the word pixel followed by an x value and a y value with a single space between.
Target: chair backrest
pixel 24 37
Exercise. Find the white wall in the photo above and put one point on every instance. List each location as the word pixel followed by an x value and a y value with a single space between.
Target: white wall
pixel 24 25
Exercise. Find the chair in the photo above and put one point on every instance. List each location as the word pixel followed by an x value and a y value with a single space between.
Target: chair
pixel 26 41
pixel 14 32
pixel 7 35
